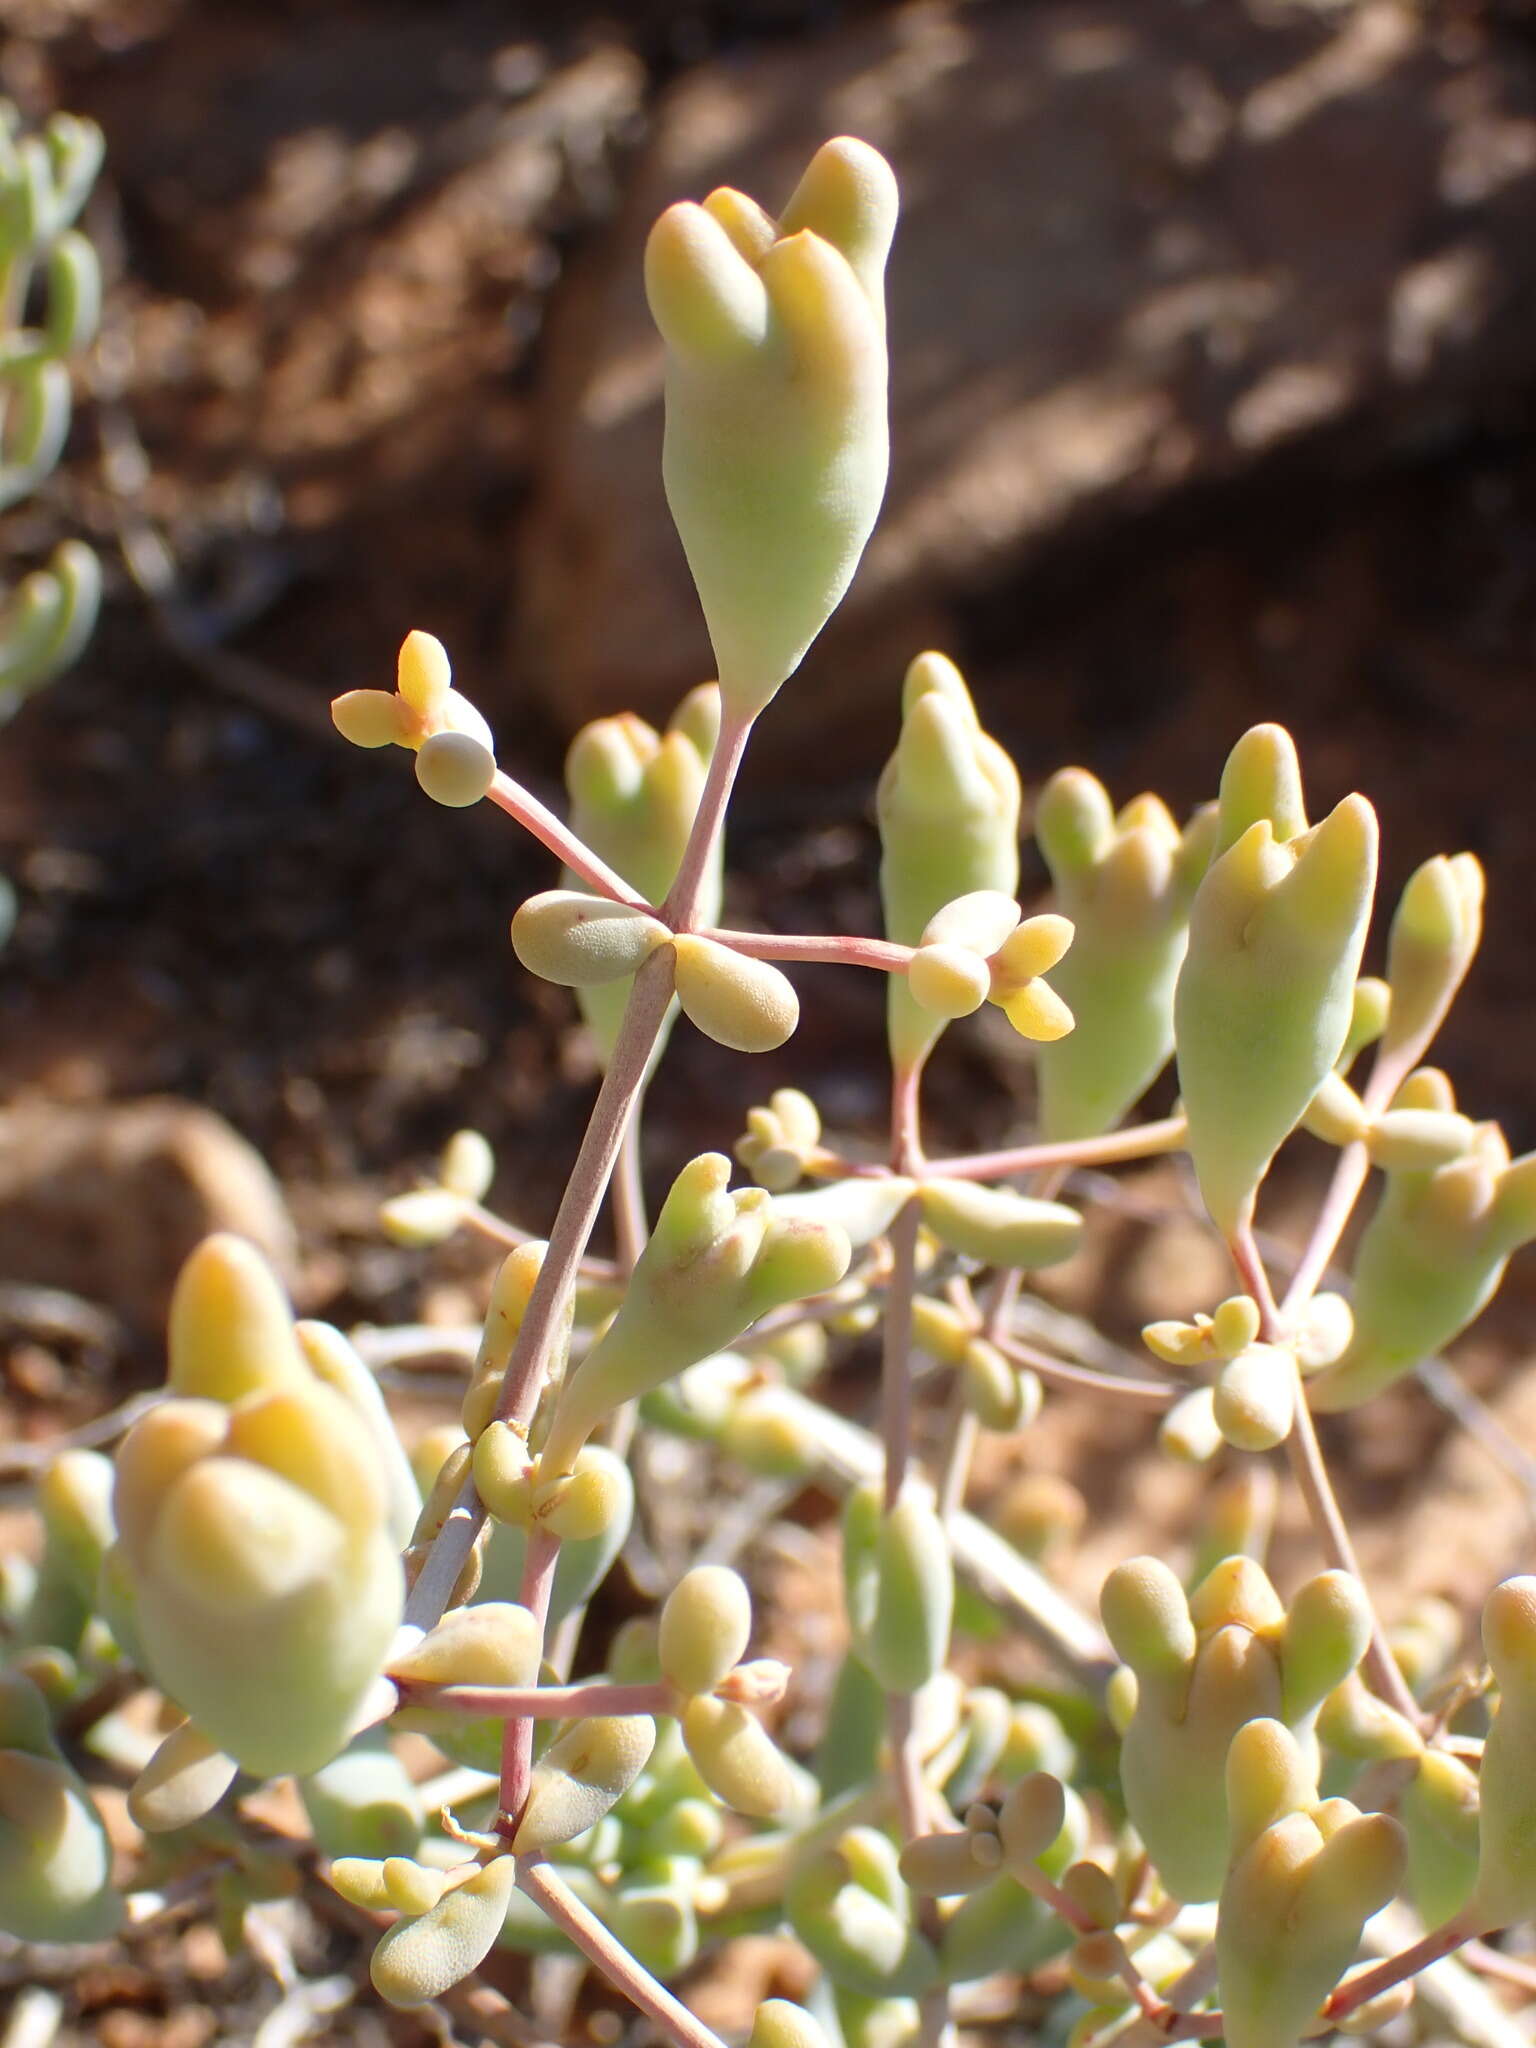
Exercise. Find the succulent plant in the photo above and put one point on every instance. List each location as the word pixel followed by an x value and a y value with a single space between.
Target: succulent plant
pixel 304 1579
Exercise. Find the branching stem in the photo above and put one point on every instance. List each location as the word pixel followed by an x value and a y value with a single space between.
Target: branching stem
pixel 603 1949
pixel 1059 1372
pixel 1140 1141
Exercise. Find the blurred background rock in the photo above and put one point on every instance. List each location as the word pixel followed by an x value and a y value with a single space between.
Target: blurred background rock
pixel 1214 343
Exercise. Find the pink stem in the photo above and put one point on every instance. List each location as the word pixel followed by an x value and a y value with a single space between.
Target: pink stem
pixel 617 1102
pixel 849 951
pixel 896 1369
pixel 1443 1941
pixel 681 909
pixel 1251 1271
pixel 906 1118
pixel 1328 1227
pixel 540 1702
pixel 1311 1475
pixel 1141 1141
pixel 628 1199
pixel 497 1230
pixel 550 831
pixel 608 1954
pixel 1388 1072
pixel 910 1785
pixel 649 997
pixel 539 1561
pixel 1057 1372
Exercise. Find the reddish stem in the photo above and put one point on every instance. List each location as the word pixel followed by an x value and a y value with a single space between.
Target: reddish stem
pixel 604 1949
pixel 1408 1962
pixel 541 1702
pixel 1141 1141
pixel 552 832
pixel 1058 1372
pixel 681 909
pixel 1311 1475
pixel 649 997
pixel 836 950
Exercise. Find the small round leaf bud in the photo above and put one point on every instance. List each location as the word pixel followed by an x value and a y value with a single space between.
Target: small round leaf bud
pixel 422 1218
pixel 371 718
pixel 945 1866
pixel 1235 1325
pixel 779 2024
pixel 1327 1631
pixel 705 1626
pixel 1336 1114
pixel 580 941
pixel 581 1776
pixel 1146 1617
pixel 979 922
pixel 1189 1431
pixel 581 1506
pixel 495 1643
pixel 948 981
pixel 997 1392
pixel 1030 1818
pixel 1324 1332
pixel 1255 1398
pixel 467 1166
pixel 737 1758
pixel 1092 1890
pixel 998 1226
pixel 184 1779
pixel 504 1473
pixel 746 1004
pixel 1419 1140
pixel 424 674
pixel 410 1887
pixel 419 1959
pixel 455 768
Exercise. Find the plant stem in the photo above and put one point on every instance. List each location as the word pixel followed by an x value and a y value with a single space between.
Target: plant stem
pixel 1316 1489
pixel 648 1000
pixel 935 2026
pixel 681 909
pixel 552 832
pixel 628 1195
pixel 497 1230
pixel 896 1355
pixel 1058 1372
pixel 835 950
pixel 1492 1962
pixel 906 1118
pixel 1140 1141
pixel 541 1702
pixel 617 1103
pixel 539 1561
pixel 1311 1475
pixel 1194 1983
pixel 962 1431
pixel 1255 1278
pixel 1388 1072
pixel 1443 1941
pixel 608 1954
